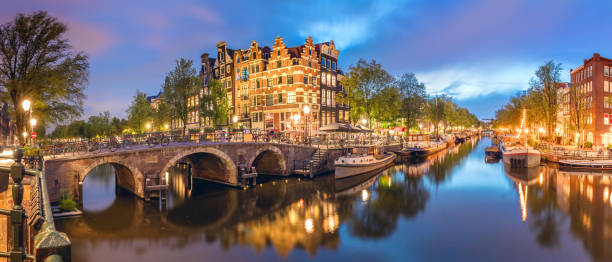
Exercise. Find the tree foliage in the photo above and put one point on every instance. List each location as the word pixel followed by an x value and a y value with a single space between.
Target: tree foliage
pixel 214 105
pixel 539 101
pixel 139 113
pixel 38 63
pixel 102 125
pixel 413 97
pixel 363 82
pixel 181 83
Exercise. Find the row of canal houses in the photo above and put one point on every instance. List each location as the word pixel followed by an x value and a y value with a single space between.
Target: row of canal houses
pixel 274 88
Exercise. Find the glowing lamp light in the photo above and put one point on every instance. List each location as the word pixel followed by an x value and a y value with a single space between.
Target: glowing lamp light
pixel 148 126
pixel 235 119
pixel 363 121
pixel 306 109
pixel 33 122
pixel 25 134
pixel 365 195
pixel 166 126
pixel 26 105
pixel 542 130
pixel 309 225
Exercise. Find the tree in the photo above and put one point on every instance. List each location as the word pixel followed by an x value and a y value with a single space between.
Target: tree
pixel 214 104
pixel 578 110
pixel 181 84
pixel 38 63
pixel 363 81
pixel 139 113
pixel 413 97
pixel 436 111
pixel 161 116
pixel 386 104
pixel 545 85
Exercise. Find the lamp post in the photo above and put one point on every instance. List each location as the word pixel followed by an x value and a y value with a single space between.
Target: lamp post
pixel 32 124
pixel 26 104
pixel 235 120
pixel 307 126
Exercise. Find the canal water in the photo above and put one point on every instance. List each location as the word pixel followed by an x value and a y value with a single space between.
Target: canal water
pixel 452 206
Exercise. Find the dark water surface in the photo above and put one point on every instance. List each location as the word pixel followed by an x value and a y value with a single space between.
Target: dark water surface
pixel 451 207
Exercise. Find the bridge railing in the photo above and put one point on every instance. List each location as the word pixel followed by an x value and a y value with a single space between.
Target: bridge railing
pixel 32 232
pixel 160 139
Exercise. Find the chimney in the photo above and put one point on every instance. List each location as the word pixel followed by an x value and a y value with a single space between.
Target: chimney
pixel 204 58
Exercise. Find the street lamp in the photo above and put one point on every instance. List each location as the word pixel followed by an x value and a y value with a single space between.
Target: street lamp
pixel 307 126
pixel 363 121
pixel 235 120
pixel 26 105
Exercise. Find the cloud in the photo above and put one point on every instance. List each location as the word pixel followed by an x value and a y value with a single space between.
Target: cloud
pixel 353 27
pixel 90 38
pixel 470 81
pixel 203 14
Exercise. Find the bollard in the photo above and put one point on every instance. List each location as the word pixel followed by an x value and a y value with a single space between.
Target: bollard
pixel 17 213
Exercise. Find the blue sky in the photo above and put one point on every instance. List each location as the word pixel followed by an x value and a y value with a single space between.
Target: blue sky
pixel 479 51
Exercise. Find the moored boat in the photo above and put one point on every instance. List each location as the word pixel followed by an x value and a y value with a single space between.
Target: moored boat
pixel 420 145
pixel 492 151
pixel 355 164
pixel 517 155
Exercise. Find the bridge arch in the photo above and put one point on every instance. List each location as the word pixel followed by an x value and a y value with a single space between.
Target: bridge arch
pixel 128 176
pixel 209 163
pixel 269 160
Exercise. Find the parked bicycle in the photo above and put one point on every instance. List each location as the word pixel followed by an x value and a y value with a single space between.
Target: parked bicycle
pixel 162 140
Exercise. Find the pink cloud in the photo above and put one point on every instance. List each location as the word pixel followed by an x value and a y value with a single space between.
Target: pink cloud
pixel 90 38
pixel 204 15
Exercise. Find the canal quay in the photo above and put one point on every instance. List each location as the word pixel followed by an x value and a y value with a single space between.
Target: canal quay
pixel 451 206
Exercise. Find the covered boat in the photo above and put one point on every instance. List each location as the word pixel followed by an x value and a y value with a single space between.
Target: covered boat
pixel 421 145
pixel 357 163
pixel 519 155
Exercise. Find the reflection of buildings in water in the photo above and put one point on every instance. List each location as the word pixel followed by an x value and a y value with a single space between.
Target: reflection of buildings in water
pixel 180 184
pixel 522 179
pixel 586 197
pixel 422 167
pixel 304 223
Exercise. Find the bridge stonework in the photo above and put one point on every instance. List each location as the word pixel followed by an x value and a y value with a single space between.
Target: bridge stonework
pixel 214 162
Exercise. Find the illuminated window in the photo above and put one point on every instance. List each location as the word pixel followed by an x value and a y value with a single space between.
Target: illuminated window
pixel 291 97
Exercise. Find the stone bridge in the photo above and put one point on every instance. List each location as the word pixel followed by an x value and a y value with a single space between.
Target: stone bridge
pixel 214 162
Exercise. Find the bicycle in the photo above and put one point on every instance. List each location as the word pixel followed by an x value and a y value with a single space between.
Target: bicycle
pixel 162 140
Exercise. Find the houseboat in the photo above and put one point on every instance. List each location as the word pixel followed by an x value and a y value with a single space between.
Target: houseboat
pixel 357 162
pixel 518 154
pixel 421 145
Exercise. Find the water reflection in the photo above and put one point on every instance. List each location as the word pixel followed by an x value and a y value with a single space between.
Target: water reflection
pixel 331 220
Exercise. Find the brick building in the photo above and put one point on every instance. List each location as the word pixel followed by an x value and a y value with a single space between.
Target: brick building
pixel 593 79
pixel 269 88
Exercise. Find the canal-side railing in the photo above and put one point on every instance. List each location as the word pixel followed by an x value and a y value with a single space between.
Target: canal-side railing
pixel 32 233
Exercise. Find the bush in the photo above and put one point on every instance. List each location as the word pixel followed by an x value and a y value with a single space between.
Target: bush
pixel 66 202
pixel 588 144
